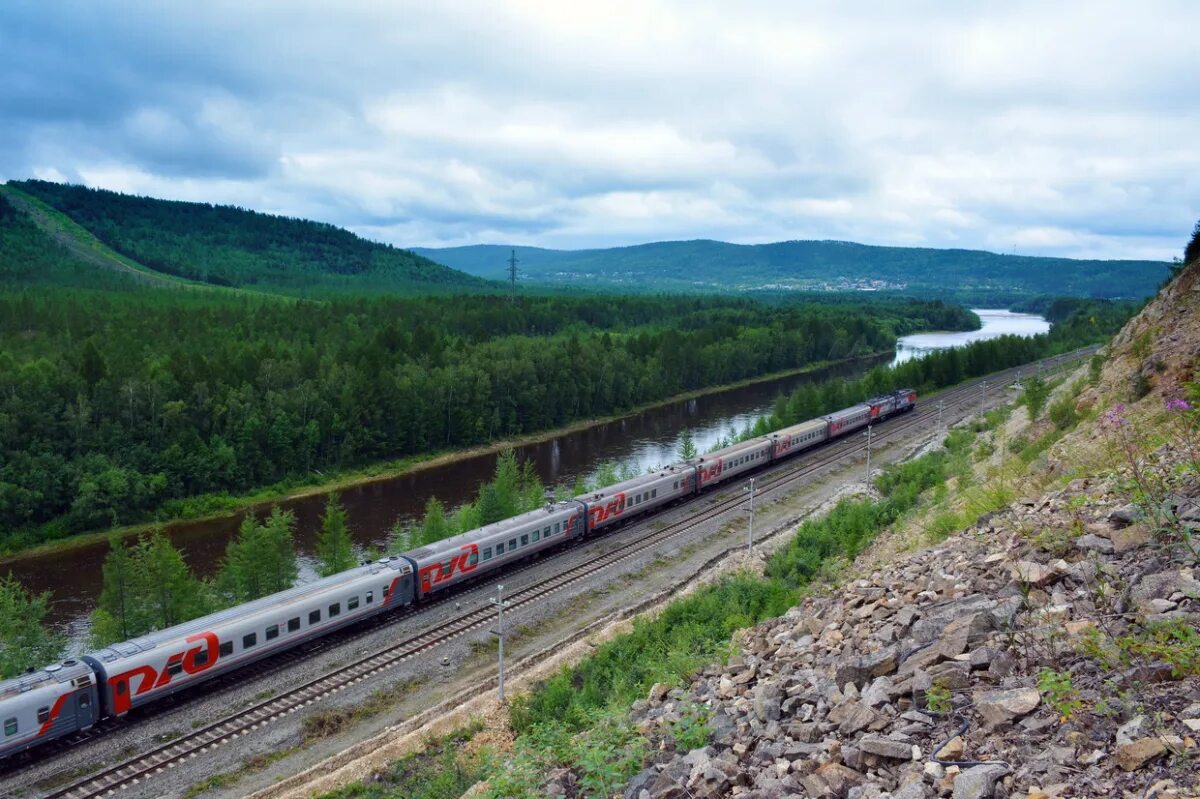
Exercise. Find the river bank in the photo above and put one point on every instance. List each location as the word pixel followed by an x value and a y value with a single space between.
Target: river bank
pixel 359 477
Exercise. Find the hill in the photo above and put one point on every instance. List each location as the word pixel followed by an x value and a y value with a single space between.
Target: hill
pixel 822 265
pixel 38 249
pixel 227 246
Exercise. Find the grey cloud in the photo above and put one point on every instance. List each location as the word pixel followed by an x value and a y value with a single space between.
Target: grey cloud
pixel 1068 129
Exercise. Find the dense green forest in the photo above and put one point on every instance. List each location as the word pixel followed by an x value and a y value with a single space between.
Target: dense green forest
pixel 833 265
pixel 115 406
pixel 29 257
pixel 226 246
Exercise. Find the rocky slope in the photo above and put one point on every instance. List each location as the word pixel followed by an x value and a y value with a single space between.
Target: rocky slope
pixel 1051 650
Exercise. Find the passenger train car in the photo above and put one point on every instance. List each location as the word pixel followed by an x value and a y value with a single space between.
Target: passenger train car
pixel 72 696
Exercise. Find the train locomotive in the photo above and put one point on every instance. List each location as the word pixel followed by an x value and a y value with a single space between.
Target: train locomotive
pixel 72 696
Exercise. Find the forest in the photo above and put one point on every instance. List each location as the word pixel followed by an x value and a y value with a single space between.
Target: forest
pixel 118 407
pixel 228 246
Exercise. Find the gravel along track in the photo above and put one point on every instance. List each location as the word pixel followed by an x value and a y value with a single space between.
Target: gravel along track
pixel 774 480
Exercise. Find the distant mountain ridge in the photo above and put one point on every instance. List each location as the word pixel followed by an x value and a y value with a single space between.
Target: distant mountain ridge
pixel 704 265
pixel 229 246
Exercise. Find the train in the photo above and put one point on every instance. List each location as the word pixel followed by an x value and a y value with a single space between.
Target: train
pixel 72 696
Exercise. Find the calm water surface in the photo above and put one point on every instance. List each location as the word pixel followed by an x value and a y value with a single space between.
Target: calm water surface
pixel 996 323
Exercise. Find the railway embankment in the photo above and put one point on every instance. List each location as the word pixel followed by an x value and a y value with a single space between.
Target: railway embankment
pixel 1024 625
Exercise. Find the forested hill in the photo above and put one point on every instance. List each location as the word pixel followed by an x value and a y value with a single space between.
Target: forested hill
pixel 227 246
pixel 708 265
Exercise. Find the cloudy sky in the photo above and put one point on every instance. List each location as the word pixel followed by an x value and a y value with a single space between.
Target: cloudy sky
pixel 1044 128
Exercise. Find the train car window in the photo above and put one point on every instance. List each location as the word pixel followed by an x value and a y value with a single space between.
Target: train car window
pixel 446 568
pixel 175 668
pixel 352 603
pixel 293 624
pixel 525 540
pixel 10 726
pixel 654 493
pixel 537 535
pixel 383 592
pixel 487 553
pixel 335 609
pixel 85 701
pixel 314 617
pixel 200 658
pixel 226 649
pixel 272 632
pixel 512 544
pixel 43 715
pixel 500 548
pixel 249 641
pixel 474 559
pixel 370 597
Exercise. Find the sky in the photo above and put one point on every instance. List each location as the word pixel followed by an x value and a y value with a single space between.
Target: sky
pixel 1068 128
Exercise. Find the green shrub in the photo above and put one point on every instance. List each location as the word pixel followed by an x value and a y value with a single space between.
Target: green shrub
pixel 1063 414
pixel 688 634
pixel 944 525
pixel 1058 689
pixel 1034 396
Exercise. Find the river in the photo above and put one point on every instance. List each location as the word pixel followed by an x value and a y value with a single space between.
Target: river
pixel 649 438
pixel 995 323
pixel 642 440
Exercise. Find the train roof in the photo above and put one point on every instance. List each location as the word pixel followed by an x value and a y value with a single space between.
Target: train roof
pixel 844 412
pixel 488 530
pixel 802 427
pixel 674 470
pixel 734 449
pixel 390 565
pixel 66 671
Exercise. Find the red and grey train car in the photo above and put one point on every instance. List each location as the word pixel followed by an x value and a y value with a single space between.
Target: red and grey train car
pixel 65 698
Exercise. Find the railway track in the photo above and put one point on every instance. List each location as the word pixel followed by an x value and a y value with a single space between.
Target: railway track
pixel 145 766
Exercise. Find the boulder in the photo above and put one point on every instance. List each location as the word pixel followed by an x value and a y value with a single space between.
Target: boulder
pixel 1132 756
pixel 1002 707
pixel 1131 538
pixel 913 790
pixel 886 747
pixel 858 671
pixel 852 717
pixel 952 749
pixel 838 778
pixel 1094 543
pixel 1125 515
pixel 978 782
pixel 1030 572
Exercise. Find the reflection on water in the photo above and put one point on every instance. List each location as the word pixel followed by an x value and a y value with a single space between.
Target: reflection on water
pixel 647 439
pixel 996 323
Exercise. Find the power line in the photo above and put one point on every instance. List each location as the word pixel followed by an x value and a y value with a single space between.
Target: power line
pixel 512 272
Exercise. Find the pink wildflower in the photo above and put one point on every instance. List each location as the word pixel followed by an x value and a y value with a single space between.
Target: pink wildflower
pixel 1114 417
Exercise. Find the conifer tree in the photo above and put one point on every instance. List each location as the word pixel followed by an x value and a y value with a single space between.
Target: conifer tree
pixel 25 640
pixel 687 447
pixel 147 587
pixel 434 526
pixel 261 559
pixel 335 549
